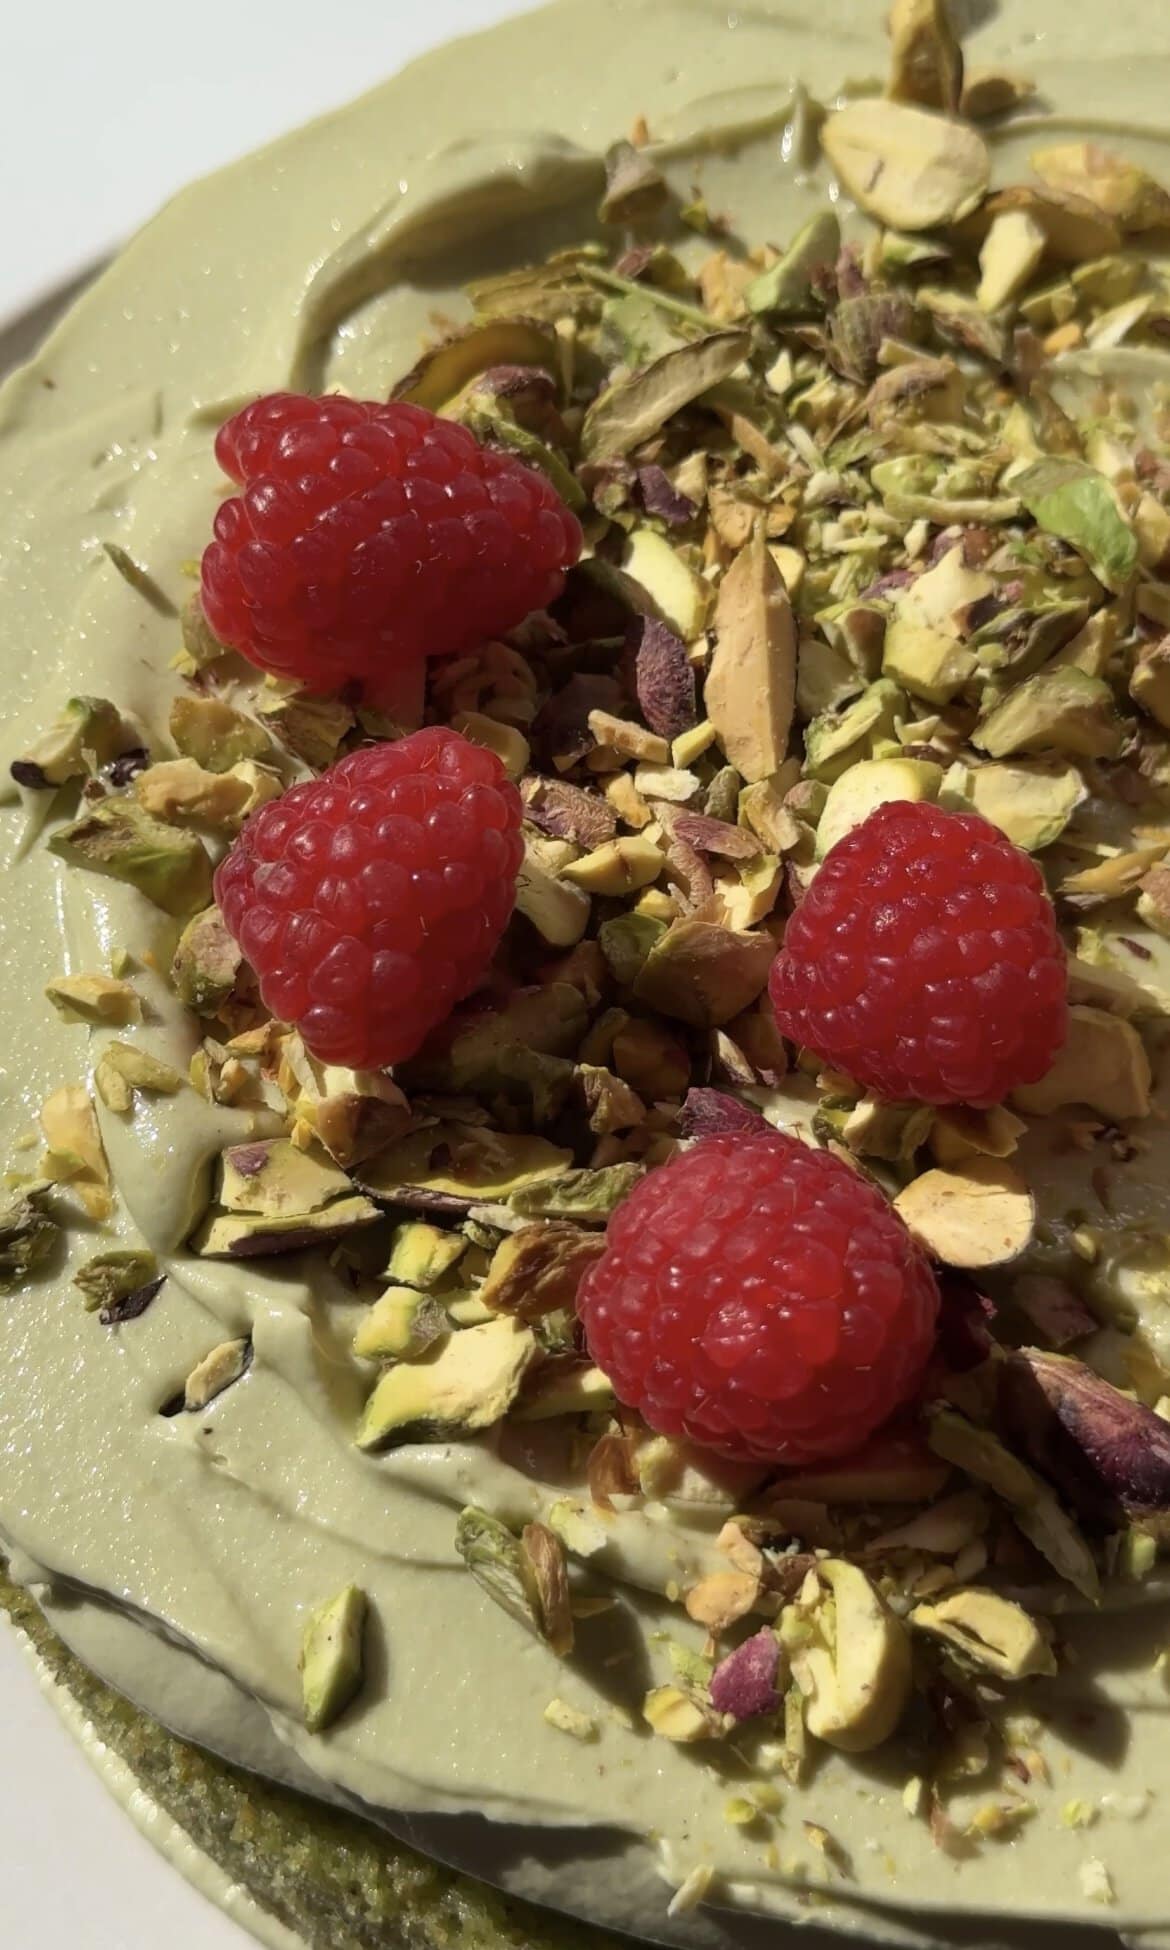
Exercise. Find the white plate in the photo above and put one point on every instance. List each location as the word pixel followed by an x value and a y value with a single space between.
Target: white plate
pixel 148 100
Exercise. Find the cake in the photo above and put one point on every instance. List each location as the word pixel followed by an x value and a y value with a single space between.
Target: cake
pixel 847 352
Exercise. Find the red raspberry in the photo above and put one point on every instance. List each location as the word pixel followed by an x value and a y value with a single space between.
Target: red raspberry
pixel 762 1299
pixel 369 536
pixel 924 960
pixel 370 900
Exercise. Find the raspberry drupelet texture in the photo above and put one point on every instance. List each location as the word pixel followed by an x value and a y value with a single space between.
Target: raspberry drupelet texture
pixel 372 899
pixel 369 536
pixel 762 1299
pixel 924 960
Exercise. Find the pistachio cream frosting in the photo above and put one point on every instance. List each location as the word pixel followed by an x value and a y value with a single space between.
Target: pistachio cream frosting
pixel 851 353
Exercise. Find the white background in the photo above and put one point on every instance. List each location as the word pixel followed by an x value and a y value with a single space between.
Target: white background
pixel 104 110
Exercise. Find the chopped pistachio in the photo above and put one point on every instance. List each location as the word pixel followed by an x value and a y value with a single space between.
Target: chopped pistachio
pixel 750 690
pixel 274 1178
pixel 111 1277
pixel 989 1631
pixel 630 740
pixel 538 1269
pixel 123 1068
pixel 117 838
pixel 657 580
pixel 625 941
pixel 421 1254
pixel 1031 801
pixel 331 1657
pixel 926 59
pixel 1012 249
pixel 461 1384
pixel 214 733
pixel 590 1196
pixel 702 974
pixel 180 788
pixel 75 1156
pixel 310 727
pixel 1103 1063
pixel 462 1162
pixel 680 1716
pixel 219 1370
pixel 1060 709
pixel 619 867
pixel 509 745
pixel 869 784
pixel 251 1235
pixel 94 999
pixel 981 1214
pixel 568 1719
pixel 1069 499
pixel 854 1670
pixel 908 168
pixel 89 731
pixel 206 964
pixel 401 1323
pixel 786 286
pixel 1115 185
pixel 631 410
pixel 28 1237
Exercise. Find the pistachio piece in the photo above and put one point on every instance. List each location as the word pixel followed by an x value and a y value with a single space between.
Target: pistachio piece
pixel 656 580
pixel 1108 1453
pixel 569 1387
pixel 75 1156
pixel 984 1457
pixel 421 1254
pixel 838 739
pixel 526 1576
pixel 123 1068
pixel 702 974
pixel 751 685
pixel 214 734
pixel 312 728
pixel 1012 249
pixel 926 59
pixel 871 783
pixel 634 186
pixel 990 1632
pixel 1117 186
pixel 88 728
pixel 117 838
pixel 353 1113
pixel 664 679
pixel 981 1214
pixel 331 1659
pixel 625 941
pixel 680 1716
pixel 538 1269
pixel 1071 500
pixel 251 1235
pixel 1060 709
pixel 94 999
pixel 1149 683
pixel 464 1383
pixel 557 910
pixel 447 367
pixel 180 788
pixel 1031 801
pixel 621 866
pixel 910 169
pixel 631 410
pixel 589 1196
pixel 546 1554
pixel 110 1278
pixel 747 1683
pixel 854 1669
pixel 219 1370
pixel 567 812
pixel 462 1162
pixel 273 1177
pixel 786 286
pixel 1103 1063
pixel 28 1236
pixel 400 1325
pixel 206 963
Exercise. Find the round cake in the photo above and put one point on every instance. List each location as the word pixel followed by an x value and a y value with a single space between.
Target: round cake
pixel 586 1265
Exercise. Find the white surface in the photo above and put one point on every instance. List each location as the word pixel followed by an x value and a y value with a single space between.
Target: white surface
pixel 73 1868
pixel 103 113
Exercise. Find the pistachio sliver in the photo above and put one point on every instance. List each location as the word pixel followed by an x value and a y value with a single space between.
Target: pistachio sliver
pixel 631 410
